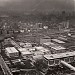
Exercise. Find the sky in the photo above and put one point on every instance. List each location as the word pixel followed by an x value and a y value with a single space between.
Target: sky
pixel 36 5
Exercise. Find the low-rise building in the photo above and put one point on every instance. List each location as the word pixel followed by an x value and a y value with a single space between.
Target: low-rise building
pixel 11 52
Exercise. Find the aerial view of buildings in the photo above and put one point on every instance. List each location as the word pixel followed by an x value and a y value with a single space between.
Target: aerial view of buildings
pixel 37 37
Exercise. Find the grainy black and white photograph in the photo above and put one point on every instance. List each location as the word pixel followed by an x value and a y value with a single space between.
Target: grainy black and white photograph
pixel 37 37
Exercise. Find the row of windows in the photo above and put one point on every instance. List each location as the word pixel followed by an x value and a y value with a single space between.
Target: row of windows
pixel 8 32
pixel 57 61
pixel 57 41
pixel 12 55
pixel 16 54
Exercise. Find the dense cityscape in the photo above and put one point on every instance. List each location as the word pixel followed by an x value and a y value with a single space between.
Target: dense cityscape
pixel 37 42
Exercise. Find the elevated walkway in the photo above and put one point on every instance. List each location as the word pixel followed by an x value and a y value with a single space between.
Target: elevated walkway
pixel 68 65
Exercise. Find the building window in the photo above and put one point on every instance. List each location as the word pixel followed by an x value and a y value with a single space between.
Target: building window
pixel 51 62
pixel 71 59
pixel 67 59
pixel 57 61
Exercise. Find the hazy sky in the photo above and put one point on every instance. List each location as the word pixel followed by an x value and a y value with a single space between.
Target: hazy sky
pixel 34 5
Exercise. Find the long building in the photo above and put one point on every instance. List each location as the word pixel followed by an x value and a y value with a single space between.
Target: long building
pixel 58 41
pixel 55 59
pixel 11 52
pixel 54 48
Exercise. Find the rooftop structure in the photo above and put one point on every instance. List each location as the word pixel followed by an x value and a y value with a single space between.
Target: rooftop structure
pixel 11 52
pixel 49 44
pixel 38 53
pixel 60 55
pixel 58 48
pixel 54 46
pixel 58 41
pixel 62 38
pixel 26 45
pixel 22 49
pixel 42 49
pixel 26 53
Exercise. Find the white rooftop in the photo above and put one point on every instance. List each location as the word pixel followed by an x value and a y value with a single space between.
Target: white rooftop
pixel 54 46
pixel 38 57
pixel 39 48
pixel 22 49
pixel 31 49
pixel 49 43
pixel 42 49
pixel 58 41
pixel 58 48
pixel 11 49
pixel 59 55
pixel 38 53
pixel 26 53
pixel 62 38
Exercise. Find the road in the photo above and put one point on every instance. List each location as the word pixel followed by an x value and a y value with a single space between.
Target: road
pixel 5 68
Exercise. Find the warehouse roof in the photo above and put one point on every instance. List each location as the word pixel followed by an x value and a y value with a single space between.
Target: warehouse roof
pixel 59 55
pixel 58 48
pixel 26 53
pixel 11 49
pixel 42 49
pixel 48 43
pixel 22 49
pixel 58 41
